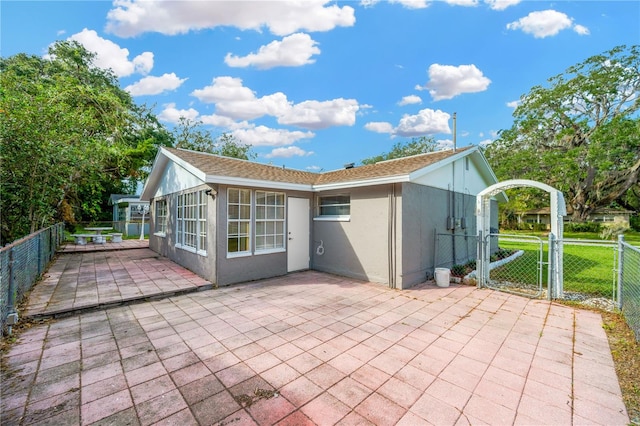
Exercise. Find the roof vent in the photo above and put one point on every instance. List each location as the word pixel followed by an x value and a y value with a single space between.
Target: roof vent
pixel 349 165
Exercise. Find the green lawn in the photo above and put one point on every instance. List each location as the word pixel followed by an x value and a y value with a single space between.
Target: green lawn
pixel 587 269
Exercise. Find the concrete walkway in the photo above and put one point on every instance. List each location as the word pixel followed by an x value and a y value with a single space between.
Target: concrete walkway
pixel 316 349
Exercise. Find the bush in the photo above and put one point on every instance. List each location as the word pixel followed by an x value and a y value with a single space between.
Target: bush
pixel 583 227
pixel 634 221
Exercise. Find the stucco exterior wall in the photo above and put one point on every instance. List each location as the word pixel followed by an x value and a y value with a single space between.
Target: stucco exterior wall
pixel 256 266
pixel 424 215
pixel 359 247
pixel 203 265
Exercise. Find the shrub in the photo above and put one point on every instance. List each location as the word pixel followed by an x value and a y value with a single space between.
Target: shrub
pixel 583 227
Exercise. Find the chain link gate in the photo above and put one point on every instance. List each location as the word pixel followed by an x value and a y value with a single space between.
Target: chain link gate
pixel 517 264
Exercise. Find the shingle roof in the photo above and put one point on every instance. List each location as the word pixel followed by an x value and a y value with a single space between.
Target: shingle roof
pixel 214 165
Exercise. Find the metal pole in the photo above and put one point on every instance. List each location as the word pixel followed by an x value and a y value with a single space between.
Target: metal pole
pixel 620 270
pixel 551 281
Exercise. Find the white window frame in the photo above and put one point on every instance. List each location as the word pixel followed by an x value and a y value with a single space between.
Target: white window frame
pixel 237 220
pixel 191 222
pixel 161 217
pixel 270 221
pixel 332 217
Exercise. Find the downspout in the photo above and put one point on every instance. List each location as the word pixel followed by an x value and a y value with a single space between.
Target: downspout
pixel 453 193
pixel 392 236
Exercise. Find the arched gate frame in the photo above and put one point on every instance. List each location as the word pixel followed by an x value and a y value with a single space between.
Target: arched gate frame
pixel 558 211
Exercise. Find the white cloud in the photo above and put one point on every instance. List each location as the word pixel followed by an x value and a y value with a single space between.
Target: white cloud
pixel 501 4
pixel 321 114
pixel 412 4
pixel 581 29
pixel 379 127
pixel 513 104
pixel 466 3
pixel 293 51
pixel 546 23
pixel 155 85
pixel 265 136
pixel 288 152
pixel 410 100
pixel 232 99
pixel 236 101
pixel 442 144
pixel 171 114
pixel 110 55
pixel 425 122
pixel 448 81
pixel 486 142
pixel 225 122
pixel 128 18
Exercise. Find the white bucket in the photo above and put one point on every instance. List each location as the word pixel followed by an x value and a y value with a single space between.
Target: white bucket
pixel 442 277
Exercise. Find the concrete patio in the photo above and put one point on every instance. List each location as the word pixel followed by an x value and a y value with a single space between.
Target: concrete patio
pixel 311 348
pixel 86 277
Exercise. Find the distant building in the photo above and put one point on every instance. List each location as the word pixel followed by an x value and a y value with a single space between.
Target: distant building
pixel 602 215
pixel 128 213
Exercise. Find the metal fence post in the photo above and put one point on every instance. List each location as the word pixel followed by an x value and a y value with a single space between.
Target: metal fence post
pixel 551 282
pixel 11 297
pixel 480 261
pixel 619 300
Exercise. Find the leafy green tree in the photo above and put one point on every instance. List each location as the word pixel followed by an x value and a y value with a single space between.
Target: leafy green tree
pixel 415 146
pixel 190 134
pixel 68 135
pixel 581 134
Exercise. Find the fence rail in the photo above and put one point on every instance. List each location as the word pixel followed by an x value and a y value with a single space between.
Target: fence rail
pixel 629 284
pixel 22 263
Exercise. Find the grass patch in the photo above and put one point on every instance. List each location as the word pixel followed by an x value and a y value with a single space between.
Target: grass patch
pixel 587 269
pixel 626 358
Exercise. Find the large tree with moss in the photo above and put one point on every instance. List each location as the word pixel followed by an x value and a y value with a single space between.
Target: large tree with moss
pixel 69 137
pixel 580 133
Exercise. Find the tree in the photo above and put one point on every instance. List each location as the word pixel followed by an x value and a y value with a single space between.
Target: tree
pixel 67 133
pixel 415 146
pixel 189 134
pixel 581 134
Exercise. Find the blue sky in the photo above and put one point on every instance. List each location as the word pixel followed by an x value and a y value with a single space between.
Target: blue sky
pixel 317 84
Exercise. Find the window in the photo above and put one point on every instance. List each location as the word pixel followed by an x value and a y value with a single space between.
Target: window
pixel 191 224
pixel 334 206
pixel 269 220
pixel 238 221
pixel 161 217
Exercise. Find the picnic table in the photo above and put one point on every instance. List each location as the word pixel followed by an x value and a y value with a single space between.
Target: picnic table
pixel 98 238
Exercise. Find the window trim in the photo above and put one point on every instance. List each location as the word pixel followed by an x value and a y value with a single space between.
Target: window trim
pixel 332 218
pixel 249 234
pixel 163 220
pixel 275 220
pixel 201 205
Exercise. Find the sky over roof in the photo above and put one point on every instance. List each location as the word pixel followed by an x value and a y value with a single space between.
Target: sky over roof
pixel 316 84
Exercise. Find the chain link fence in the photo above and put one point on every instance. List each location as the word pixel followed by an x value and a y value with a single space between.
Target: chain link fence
pixel 21 264
pixel 456 252
pixel 518 264
pixel 589 270
pixel 629 285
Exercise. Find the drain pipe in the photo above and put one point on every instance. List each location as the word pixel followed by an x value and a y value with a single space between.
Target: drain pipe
pixel 392 236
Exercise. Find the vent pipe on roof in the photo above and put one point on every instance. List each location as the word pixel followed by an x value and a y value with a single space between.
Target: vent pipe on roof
pixel 454 131
pixel 349 165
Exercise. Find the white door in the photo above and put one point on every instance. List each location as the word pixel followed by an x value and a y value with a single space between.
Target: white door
pixel 297 234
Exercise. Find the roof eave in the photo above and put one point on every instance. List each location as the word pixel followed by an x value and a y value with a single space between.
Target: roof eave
pixel 360 183
pixel 230 180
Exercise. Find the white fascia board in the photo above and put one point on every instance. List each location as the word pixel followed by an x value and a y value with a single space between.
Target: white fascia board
pixel 449 160
pixel 185 165
pixel 256 183
pixel 361 183
pixel 153 180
